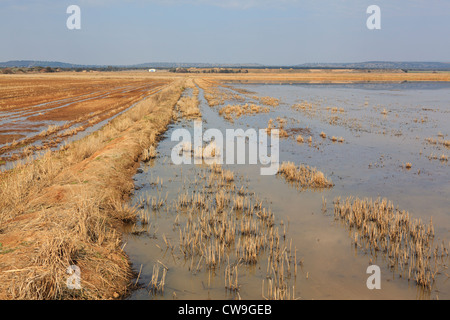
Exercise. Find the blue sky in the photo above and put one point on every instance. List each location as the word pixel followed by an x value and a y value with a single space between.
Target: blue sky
pixel 282 32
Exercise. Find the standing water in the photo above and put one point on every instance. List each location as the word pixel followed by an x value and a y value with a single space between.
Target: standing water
pixel 372 140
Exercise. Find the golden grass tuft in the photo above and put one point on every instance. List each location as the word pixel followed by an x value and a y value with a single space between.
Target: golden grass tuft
pixel 281 123
pixel 189 105
pixel 230 112
pixel 304 176
pixel 405 243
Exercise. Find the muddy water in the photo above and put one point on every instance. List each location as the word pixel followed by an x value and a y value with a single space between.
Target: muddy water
pixel 384 126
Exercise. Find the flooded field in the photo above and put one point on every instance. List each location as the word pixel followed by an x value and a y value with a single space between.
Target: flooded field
pixel 228 232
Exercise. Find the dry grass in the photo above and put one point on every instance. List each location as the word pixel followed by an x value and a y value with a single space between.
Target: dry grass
pixel 50 130
pixel 189 105
pixel 156 285
pixel 230 112
pixel 227 227
pixel 406 243
pixel 281 123
pixel 268 101
pixel 304 176
pixel 216 94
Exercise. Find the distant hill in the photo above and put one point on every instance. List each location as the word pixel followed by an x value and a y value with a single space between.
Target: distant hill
pixel 166 65
pixel 33 63
pixel 195 65
pixel 56 64
pixel 381 65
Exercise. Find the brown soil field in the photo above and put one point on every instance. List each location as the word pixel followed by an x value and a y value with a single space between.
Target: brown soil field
pixel 29 105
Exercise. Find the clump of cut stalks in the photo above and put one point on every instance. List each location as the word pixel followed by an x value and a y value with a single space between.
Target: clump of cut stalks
pixel 189 105
pixel 216 94
pixel 230 112
pixel 406 243
pixel 304 176
pixel 231 278
pixel 211 151
pixel 268 101
pixel 156 284
pixel 281 123
pixel 227 227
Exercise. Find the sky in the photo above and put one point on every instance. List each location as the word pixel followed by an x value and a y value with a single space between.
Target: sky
pixel 271 32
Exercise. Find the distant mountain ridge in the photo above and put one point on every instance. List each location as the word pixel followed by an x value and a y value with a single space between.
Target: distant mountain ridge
pixel 356 65
pixel 419 65
pixel 57 64
pixel 34 63
pixel 195 65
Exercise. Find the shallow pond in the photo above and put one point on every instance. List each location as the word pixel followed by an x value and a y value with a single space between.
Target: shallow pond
pixel 384 126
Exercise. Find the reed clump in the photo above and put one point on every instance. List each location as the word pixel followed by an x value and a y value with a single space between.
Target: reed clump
pixel 156 284
pixel 282 133
pixel 230 112
pixel 406 243
pixel 216 94
pixel 51 129
pixel 268 101
pixel 231 278
pixel 229 228
pixel 188 105
pixel 304 176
